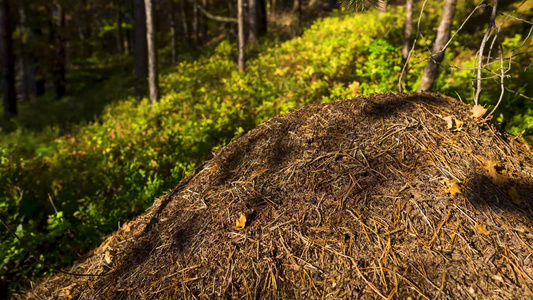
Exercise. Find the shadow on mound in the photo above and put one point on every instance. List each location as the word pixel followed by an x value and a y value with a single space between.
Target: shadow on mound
pixel 513 196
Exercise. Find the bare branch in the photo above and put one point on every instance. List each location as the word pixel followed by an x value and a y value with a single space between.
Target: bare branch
pixel 213 17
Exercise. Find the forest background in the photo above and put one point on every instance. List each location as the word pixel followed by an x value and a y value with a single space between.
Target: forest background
pixel 108 104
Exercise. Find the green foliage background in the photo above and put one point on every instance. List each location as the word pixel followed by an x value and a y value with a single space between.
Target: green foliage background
pixel 103 173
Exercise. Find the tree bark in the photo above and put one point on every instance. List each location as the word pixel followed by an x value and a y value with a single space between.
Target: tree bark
pixel 139 28
pixel 26 58
pixel 242 41
pixel 185 24
pixel 7 61
pixel 437 53
pixel 195 22
pixel 153 83
pixel 203 23
pixel 173 34
pixel 58 68
pixel 253 28
pixel 408 30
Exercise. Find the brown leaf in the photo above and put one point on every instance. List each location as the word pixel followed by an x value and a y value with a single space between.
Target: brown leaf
pixel 452 187
pixel 481 229
pixel 496 177
pixel 513 193
pixel 241 222
pixel 478 111
pixel 453 124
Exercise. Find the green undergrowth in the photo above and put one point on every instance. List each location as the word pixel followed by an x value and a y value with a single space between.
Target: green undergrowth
pixel 61 193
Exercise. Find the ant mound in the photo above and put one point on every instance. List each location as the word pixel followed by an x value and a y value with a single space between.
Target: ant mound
pixel 385 196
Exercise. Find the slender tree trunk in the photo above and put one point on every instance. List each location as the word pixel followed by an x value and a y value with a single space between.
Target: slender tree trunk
pixel 195 22
pixel 383 7
pixel 139 28
pixel 118 31
pixel 408 30
pixel 7 61
pixel 273 7
pixel 26 59
pixel 173 34
pixel 58 69
pixel 253 28
pixel 437 54
pixel 185 24
pixel 205 4
pixel 242 41
pixel 152 53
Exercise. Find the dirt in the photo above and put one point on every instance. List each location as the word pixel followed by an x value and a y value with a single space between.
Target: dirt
pixel 372 197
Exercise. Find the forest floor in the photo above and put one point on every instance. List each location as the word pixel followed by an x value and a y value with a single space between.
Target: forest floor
pixel 371 197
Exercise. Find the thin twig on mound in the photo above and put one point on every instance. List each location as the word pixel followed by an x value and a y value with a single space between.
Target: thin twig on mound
pixel 372 197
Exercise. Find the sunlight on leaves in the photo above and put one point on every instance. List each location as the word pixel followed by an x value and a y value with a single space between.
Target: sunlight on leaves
pixel 482 229
pixel 241 222
pixel 452 187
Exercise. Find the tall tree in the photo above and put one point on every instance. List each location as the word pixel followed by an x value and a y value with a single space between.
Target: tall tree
pixel 253 26
pixel 140 48
pixel 437 53
pixel 408 30
pixel 58 35
pixel 26 58
pixel 242 41
pixel 173 29
pixel 7 60
pixel 153 81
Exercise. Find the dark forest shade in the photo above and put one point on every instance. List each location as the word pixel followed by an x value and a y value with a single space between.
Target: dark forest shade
pixel 139 28
pixel 58 35
pixel 7 61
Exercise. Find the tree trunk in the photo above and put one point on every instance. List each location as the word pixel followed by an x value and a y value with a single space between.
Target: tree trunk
pixel 58 68
pixel 253 28
pixel 7 61
pixel 173 34
pixel 408 30
pixel 118 31
pixel 240 17
pixel 195 22
pixel 152 53
pixel 205 4
pixel 139 28
pixel 27 66
pixel 437 54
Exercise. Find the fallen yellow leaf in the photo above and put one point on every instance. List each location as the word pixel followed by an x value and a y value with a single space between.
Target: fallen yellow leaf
pixel 478 111
pixel 481 229
pixel 453 124
pixel 241 222
pixel 496 177
pixel 452 187
pixel 513 193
